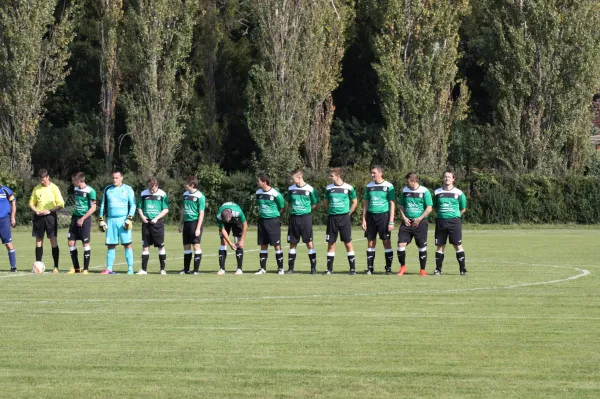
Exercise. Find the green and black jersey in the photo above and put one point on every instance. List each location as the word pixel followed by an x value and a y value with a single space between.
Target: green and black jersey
pixel 83 200
pixel 269 203
pixel 237 215
pixel 301 199
pixel 449 203
pixel 379 196
pixel 152 204
pixel 193 204
pixel 414 202
pixel 339 198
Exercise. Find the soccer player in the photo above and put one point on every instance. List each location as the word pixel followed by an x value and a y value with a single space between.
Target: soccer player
pixel 231 219
pixel 414 204
pixel 81 221
pixel 340 201
pixel 8 212
pixel 270 205
pixel 302 198
pixel 45 200
pixel 118 206
pixel 191 225
pixel 153 206
pixel 450 204
pixel 379 203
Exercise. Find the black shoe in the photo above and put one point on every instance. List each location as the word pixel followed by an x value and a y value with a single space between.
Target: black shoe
pixel 463 272
pixel 352 272
pixel 388 271
pixel 13 269
pixel 183 271
pixel 313 271
pixel 437 272
pixel 289 271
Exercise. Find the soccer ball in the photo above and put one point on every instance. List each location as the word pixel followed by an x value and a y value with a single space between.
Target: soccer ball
pixel 38 268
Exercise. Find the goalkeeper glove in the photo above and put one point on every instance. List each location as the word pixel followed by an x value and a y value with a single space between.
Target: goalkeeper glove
pixel 102 225
pixel 128 223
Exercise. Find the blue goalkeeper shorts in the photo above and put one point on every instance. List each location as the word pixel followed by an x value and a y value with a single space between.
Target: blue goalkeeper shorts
pixel 116 232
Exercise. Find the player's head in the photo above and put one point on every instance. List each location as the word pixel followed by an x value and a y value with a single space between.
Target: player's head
pixel 152 184
pixel 412 180
pixel 117 177
pixel 77 178
pixel 44 177
pixel 336 174
pixel 226 215
pixel 377 173
pixel 263 181
pixel 191 183
pixel 297 176
pixel 448 177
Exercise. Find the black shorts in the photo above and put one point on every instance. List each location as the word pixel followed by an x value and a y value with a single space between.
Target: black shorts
pixel 82 233
pixel 377 224
pixel 339 224
pixel 45 223
pixel 448 227
pixel 236 228
pixel 153 234
pixel 406 233
pixel 189 233
pixel 269 231
pixel 300 226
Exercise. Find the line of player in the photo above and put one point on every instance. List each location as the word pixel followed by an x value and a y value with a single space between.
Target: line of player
pixel 119 206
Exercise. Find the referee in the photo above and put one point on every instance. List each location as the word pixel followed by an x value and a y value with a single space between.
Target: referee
pixel 45 200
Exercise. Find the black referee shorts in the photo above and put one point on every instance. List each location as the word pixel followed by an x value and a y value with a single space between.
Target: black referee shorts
pixel 445 228
pixel 406 233
pixel 45 223
pixel 269 231
pixel 300 227
pixel 339 224
pixel 377 224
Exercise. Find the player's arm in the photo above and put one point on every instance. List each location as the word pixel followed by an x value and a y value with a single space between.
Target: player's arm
pixel 364 213
pixel 225 236
pixel 462 204
pixel 353 205
pixel 165 210
pixel 200 220
pixel 240 243
pixel 13 212
pixel 141 215
pixel 180 228
pixel 280 203
pixel 131 202
pixel 392 215
pixel 90 211
pixel 33 203
pixel 314 198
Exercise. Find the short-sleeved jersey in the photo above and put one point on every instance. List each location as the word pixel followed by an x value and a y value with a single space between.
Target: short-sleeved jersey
pixel 46 198
pixel 269 203
pixel 84 198
pixel 414 202
pixel 118 201
pixel 339 198
pixel 449 203
pixel 152 204
pixel 6 197
pixel 379 196
pixel 193 204
pixel 301 199
pixel 237 215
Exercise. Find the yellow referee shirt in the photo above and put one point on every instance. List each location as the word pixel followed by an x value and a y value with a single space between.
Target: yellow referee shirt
pixel 46 198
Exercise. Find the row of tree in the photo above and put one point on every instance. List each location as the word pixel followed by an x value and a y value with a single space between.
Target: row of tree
pixel 161 86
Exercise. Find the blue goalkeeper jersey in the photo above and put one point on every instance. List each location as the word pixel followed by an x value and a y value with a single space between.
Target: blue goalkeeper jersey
pixel 118 201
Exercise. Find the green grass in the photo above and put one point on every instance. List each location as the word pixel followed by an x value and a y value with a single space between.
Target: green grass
pixel 521 324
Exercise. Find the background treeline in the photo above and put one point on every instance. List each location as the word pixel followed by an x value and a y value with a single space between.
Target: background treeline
pixel 501 91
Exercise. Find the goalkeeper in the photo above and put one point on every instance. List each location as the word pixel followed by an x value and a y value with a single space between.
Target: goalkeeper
pixel 116 219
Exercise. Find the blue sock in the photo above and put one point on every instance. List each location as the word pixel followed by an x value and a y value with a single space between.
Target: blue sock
pixel 12 258
pixel 110 258
pixel 129 258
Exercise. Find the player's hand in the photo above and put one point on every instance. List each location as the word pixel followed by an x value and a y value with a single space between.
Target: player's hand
pixel 154 221
pixel 406 221
pixel 80 222
pixel 102 225
pixel 197 233
pixel 45 212
pixel 390 227
pixel 128 223
pixel 232 246
pixel 240 243
pixel 144 219
pixel 180 229
pixel 13 222
pixel 364 224
pixel 416 222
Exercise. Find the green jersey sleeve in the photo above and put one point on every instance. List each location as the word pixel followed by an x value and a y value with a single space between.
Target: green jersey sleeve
pixel 427 198
pixel 314 198
pixel 279 201
pixel 462 202
pixel 391 194
pixel 352 194
pixel 202 203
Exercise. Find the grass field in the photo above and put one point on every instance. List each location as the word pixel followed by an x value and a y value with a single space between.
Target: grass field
pixel 524 323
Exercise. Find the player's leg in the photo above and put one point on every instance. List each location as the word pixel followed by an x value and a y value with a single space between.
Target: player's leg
pixel 158 239
pixel 112 239
pixel 111 254
pixel 223 252
pixel 145 258
pixel 72 242
pixel 351 257
pixel 52 231
pixel 239 252
pixel 263 241
pixel 455 233
pixel 307 237
pixel 6 236
pixel 126 238
pixel 187 258
pixel 404 238
pixel 346 237
pixel 86 233
pixel 441 236
pixel 293 237
pixel 187 235
pixel 421 241
pixel 55 252
pixel 197 256
pixel 371 235
pixel 331 236
pixel 129 257
pixel 274 233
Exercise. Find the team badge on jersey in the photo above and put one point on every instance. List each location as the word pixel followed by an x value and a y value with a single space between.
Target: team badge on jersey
pixel 385 189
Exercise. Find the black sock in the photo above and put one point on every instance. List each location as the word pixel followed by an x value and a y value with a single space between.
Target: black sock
pixel 55 253
pixel 187 261
pixel 402 257
pixel 313 260
pixel 86 259
pixel 239 256
pixel 39 252
pixel 291 261
pixel 439 259
pixel 197 259
pixel 222 258
pixel 330 260
pixel 162 259
pixel 352 261
pixel 460 256
pixel 389 259
pixel 263 260
pixel 145 259
pixel 423 259
pixel 75 259
pixel 279 259
pixel 370 259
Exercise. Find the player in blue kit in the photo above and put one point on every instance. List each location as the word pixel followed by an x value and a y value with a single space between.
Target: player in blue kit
pixel 118 207
pixel 8 211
